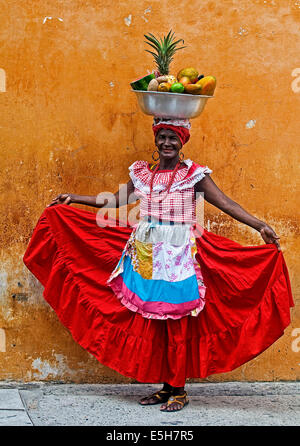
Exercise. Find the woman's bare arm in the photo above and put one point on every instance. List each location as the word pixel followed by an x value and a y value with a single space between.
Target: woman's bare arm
pixel 213 195
pixel 125 195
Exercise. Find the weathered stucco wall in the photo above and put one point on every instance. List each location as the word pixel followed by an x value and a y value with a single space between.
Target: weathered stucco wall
pixel 69 123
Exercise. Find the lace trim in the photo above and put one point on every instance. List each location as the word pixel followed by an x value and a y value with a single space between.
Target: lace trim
pixel 138 184
pixel 197 176
pixel 177 122
pixel 186 183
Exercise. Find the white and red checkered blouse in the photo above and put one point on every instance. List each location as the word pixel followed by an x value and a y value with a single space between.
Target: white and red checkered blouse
pixel 179 205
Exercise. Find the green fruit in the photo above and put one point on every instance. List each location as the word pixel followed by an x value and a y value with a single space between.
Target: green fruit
pixel 177 87
pixel 142 84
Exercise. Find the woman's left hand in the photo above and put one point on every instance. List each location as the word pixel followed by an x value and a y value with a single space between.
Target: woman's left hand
pixel 269 236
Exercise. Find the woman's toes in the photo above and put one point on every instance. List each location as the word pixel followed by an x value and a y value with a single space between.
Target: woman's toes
pixel 172 407
pixel 146 401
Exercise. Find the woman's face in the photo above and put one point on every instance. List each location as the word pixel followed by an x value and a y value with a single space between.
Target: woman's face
pixel 168 144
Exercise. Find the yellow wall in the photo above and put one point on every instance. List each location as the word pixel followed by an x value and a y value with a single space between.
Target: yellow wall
pixel 69 123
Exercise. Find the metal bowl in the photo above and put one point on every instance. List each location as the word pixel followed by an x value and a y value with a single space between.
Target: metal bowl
pixel 171 105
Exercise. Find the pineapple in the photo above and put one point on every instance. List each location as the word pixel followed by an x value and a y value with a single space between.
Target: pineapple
pixel 165 49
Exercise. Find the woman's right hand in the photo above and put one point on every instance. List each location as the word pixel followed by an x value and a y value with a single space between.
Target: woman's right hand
pixel 62 199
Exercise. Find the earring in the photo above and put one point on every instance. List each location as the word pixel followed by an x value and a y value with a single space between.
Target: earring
pixel 181 156
pixel 153 156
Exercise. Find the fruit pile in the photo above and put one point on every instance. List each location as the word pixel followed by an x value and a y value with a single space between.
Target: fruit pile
pixel 187 81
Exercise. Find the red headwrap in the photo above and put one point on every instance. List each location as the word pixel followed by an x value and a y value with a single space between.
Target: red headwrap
pixel 182 132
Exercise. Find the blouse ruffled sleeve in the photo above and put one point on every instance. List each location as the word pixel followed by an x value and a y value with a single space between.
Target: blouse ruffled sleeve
pixel 195 174
pixel 140 175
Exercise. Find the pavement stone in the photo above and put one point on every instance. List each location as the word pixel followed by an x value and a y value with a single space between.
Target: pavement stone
pixel 14 418
pixel 10 399
pixel 12 409
pixel 211 404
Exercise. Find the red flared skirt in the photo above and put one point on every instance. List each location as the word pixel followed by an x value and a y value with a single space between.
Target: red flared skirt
pixel 248 300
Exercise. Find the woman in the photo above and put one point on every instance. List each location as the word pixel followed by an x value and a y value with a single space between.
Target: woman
pixel 181 302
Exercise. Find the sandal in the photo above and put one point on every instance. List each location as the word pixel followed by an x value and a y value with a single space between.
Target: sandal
pixel 162 396
pixel 176 399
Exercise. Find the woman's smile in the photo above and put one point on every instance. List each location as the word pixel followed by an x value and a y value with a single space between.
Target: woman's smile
pixel 168 150
pixel 168 143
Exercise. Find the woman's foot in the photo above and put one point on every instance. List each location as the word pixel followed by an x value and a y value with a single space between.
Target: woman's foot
pixel 159 397
pixel 177 401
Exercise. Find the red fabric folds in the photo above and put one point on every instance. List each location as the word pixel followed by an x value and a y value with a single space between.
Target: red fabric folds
pixel 248 300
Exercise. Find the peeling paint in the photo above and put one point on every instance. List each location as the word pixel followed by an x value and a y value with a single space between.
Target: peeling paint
pixel 270 2
pixel 45 369
pixel 3 283
pixel 128 20
pixel 50 18
pixel 111 87
pixel 250 124
pixel 242 31
pixel 147 11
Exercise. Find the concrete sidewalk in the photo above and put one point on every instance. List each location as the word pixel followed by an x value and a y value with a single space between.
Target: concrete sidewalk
pixel 211 404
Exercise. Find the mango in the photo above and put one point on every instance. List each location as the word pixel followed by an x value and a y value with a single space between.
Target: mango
pixel 192 89
pixel 207 85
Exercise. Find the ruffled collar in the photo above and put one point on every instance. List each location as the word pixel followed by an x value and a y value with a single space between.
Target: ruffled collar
pixel 186 177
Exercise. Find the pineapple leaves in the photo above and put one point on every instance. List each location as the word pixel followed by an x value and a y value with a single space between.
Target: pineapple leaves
pixel 165 48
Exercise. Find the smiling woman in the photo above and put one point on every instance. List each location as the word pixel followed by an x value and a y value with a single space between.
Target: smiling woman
pixel 164 300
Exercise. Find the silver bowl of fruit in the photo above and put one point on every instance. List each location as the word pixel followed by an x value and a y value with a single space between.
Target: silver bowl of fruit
pixel 164 95
pixel 171 105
